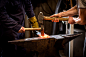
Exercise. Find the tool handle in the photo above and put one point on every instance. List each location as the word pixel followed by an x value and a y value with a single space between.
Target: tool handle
pixel 52 18
pixel 32 28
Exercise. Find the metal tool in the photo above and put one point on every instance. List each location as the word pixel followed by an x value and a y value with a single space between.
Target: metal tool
pixel 41 17
pixel 66 37
pixel 69 37
pixel 41 29
pixel 53 18
pixel 41 23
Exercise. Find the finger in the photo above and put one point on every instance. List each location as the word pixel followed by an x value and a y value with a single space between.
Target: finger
pixel 60 16
pixel 52 20
pixel 77 20
pixel 23 30
pixel 56 19
pixel 19 31
pixel 54 15
pixel 51 15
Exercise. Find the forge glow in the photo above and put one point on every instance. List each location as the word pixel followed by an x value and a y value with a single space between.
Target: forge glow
pixel 45 36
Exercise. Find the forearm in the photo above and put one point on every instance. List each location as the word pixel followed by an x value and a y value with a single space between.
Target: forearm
pixel 81 19
pixel 75 7
pixel 73 11
pixel 82 15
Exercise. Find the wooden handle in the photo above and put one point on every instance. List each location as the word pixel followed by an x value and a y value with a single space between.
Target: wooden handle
pixel 32 28
pixel 52 18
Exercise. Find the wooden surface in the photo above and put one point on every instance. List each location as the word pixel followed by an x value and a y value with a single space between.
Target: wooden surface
pixel 53 18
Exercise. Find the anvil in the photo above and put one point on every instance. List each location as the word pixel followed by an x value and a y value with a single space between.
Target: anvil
pixel 45 46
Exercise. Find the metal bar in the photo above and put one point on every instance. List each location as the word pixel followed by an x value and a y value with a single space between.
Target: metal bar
pixel 71 32
pixel 27 25
pixel 71 42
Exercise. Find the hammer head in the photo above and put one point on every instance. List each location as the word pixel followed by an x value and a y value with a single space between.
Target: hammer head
pixel 40 18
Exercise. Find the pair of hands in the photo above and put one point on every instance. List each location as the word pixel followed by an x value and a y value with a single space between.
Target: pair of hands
pixel 70 21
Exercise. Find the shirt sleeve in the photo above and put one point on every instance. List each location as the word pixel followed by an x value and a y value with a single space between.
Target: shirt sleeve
pixel 81 3
pixel 29 8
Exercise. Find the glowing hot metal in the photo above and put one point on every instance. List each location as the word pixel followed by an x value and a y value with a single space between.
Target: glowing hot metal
pixel 45 36
pixel 40 36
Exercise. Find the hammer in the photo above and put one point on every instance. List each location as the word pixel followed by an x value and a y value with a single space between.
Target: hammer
pixel 40 20
pixel 42 30
pixel 41 17
pixel 42 27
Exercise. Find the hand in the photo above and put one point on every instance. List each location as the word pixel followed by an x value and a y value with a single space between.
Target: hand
pixel 22 30
pixel 56 20
pixel 56 15
pixel 35 25
pixel 34 22
pixel 79 21
pixel 71 20
pixel 76 20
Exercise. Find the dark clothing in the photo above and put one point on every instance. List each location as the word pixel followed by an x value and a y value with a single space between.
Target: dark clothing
pixel 12 14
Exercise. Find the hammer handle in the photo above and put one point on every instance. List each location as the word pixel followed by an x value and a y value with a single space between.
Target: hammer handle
pixel 32 28
pixel 52 18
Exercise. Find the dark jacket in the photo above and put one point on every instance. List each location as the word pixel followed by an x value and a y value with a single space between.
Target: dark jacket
pixel 12 17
